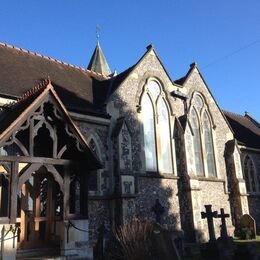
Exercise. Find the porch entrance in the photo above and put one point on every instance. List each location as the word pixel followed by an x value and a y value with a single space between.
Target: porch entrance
pixel 40 208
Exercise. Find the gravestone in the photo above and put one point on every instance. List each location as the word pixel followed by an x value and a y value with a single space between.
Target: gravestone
pixel 210 250
pixel 247 222
pixel 223 230
pixel 225 242
pixel 162 244
pixel 209 215
pixel 158 210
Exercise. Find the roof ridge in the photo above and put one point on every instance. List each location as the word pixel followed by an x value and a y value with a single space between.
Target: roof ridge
pixel 233 113
pixel 52 59
pixel 33 90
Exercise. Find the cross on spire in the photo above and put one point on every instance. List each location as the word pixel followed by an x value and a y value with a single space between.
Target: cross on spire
pixel 97 33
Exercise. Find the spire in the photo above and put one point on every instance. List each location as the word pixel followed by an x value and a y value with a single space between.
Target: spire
pixel 98 62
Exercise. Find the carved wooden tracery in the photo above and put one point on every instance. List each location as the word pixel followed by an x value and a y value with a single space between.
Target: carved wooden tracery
pixel 44 139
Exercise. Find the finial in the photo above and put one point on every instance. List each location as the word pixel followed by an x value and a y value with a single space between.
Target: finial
pixel 97 32
pixel 193 64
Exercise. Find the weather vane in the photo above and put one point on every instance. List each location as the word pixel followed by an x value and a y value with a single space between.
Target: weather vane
pixel 97 32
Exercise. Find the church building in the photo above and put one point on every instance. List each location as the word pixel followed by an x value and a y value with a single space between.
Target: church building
pixel 86 147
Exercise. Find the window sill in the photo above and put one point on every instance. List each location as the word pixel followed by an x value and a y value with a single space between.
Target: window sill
pixel 211 179
pixel 159 175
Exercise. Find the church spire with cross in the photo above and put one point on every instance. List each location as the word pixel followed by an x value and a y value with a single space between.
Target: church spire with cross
pixel 98 62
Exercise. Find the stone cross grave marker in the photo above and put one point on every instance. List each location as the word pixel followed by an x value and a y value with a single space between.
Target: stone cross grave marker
pixel 158 210
pixel 223 216
pixel 209 215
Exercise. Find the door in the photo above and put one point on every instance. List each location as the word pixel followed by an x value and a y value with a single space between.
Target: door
pixel 41 211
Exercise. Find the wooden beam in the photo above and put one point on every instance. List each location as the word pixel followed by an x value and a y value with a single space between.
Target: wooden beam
pixel 27 174
pixel 42 160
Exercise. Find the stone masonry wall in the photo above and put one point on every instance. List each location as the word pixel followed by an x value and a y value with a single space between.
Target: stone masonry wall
pixel 98 207
pixel 214 193
pixel 166 191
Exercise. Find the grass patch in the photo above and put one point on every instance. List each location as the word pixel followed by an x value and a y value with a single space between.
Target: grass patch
pixel 237 240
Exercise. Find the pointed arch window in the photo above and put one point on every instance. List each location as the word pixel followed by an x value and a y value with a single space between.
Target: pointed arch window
pixel 93 178
pixel 208 142
pixel 197 148
pixel 156 126
pixel 249 175
pixel 203 147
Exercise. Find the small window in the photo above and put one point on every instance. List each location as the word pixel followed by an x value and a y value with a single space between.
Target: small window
pixel 249 175
pixel 94 176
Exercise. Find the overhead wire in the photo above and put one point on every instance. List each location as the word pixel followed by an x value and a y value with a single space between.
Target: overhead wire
pixel 231 53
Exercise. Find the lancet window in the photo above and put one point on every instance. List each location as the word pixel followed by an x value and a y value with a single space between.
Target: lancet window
pixel 94 176
pixel 202 138
pixel 249 175
pixel 156 127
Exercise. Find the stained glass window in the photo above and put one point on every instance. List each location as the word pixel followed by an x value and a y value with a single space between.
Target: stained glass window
pixel 208 146
pixel 149 133
pixel 156 125
pixel 154 90
pixel 165 137
pixel 197 148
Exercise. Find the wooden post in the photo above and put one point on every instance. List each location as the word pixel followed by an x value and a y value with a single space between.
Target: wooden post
pixel 66 193
pixel 13 192
pixel 83 193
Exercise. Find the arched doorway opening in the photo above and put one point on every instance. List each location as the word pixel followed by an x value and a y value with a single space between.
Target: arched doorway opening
pixel 40 211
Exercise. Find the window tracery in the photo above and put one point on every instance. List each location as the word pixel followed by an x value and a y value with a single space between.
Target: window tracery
pixel 202 138
pixel 156 127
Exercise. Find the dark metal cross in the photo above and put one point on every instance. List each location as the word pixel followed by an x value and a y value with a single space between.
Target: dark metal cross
pixel 158 210
pixel 209 215
pixel 223 217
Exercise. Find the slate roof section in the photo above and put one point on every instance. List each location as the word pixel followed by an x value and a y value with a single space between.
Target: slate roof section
pixel 98 62
pixel 14 110
pixel 246 129
pixel 21 70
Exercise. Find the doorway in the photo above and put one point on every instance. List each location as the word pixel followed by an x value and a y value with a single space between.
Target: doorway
pixel 40 211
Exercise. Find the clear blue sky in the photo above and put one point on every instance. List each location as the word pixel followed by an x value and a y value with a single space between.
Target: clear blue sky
pixel 182 31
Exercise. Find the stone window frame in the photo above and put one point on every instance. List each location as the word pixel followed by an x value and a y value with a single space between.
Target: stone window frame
pixel 163 94
pixel 199 114
pixel 98 145
pixel 250 159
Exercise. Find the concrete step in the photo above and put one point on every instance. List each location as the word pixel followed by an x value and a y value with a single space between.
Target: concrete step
pixel 38 253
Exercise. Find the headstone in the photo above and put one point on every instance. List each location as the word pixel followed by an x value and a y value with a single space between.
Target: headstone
pixel 247 223
pixel 223 231
pixel 209 215
pixel 158 210
pixel 162 244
